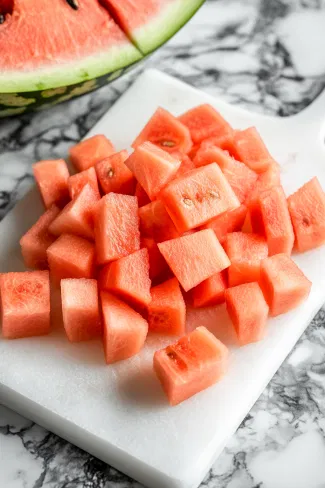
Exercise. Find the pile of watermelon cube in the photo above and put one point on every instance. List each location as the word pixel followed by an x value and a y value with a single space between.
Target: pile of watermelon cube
pixel 195 215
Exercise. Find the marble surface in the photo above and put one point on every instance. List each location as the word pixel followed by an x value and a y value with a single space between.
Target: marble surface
pixel 268 56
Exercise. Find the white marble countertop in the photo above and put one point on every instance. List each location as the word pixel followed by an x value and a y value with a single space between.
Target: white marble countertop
pixel 269 56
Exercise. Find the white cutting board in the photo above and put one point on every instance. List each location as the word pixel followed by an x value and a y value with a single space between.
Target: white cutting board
pixel 119 413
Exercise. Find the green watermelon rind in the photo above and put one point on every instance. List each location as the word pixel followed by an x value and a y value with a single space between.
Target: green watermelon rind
pixel 70 73
pixel 165 25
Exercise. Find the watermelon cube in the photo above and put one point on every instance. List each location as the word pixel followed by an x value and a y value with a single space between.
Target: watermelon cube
pixel 225 142
pixel 284 284
pixel 37 239
pixel 245 252
pixel 125 330
pixel 248 312
pixel 195 257
pixel 240 177
pixel 52 181
pixel 155 222
pixel 229 221
pixel 198 196
pixel 158 268
pixel 276 220
pixel 265 181
pixel 128 277
pixel 165 131
pixel 116 227
pixel 152 167
pixel 252 151
pixel 71 256
pixel 307 212
pixel 113 175
pixel 25 304
pixel 211 291
pixel 167 311
pixel 77 217
pixel 81 318
pixel 195 362
pixel 204 121
pixel 78 181
pixel 141 195
pixel 90 151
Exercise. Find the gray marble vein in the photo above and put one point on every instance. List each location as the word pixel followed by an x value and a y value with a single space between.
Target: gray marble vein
pixel 267 56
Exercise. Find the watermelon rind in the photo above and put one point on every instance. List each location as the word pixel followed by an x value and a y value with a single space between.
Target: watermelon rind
pixel 162 27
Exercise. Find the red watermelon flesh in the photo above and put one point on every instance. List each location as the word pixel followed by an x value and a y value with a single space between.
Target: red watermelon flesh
pixel 248 311
pixel 114 176
pixel 87 153
pixel 230 221
pixel 52 181
pixel 125 331
pixel 152 167
pixel 225 142
pixel 158 268
pixel 204 121
pixel 252 151
pixel 276 219
pixel 284 285
pixel 66 45
pixel 198 196
pixel 211 291
pixel 81 317
pixel 77 182
pixel 195 257
pixel 166 311
pixel 128 277
pixel 77 217
pixel 193 363
pixel 307 212
pixel 25 304
pixel 116 227
pixel 141 195
pixel 166 132
pixel 242 179
pixel 71 257
pixel 155 222
pixel 245 252
pixel 36 241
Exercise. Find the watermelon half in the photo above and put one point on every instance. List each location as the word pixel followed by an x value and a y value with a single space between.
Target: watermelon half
pixel 52 51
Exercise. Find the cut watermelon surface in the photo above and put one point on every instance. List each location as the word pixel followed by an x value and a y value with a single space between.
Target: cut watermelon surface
pixel 35 242
pixel 141 195
pixel 248 311
pixel 307 212
pixel 90 151
pixel 77 182
pixel 195 257
pixel 152 167
pixel 166 132
pixel 192 364
pixel 128 277
pixel 252 151
pixel 71 256
pixel 77 217
pixel 81 317
pixel 211 291
pixel 167 311
pixel 158 268
pixel 284 285
pixel 116 227
pixel 114 176
pixel 25 304
pixel 125 331
pixel 52 180
pixel 198 196
pixel 203 122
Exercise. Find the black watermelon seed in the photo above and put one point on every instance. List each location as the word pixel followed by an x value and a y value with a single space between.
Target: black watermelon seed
pixel 73 3
pixel 2 19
